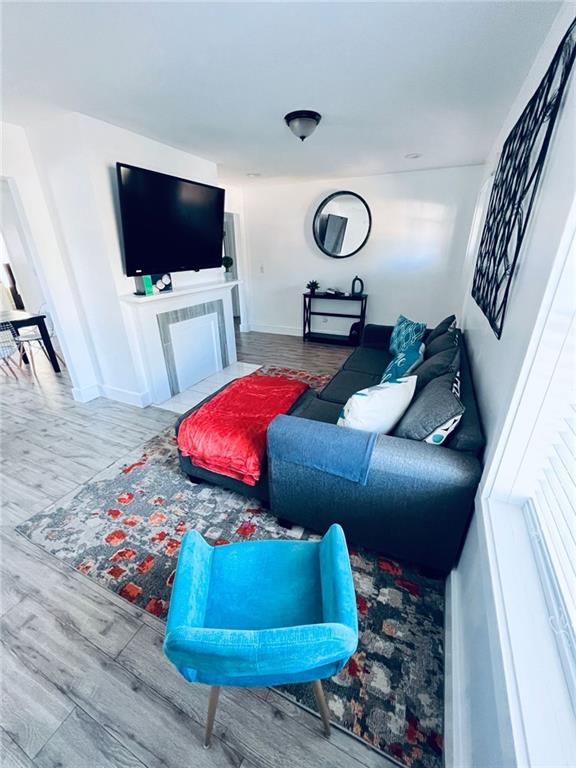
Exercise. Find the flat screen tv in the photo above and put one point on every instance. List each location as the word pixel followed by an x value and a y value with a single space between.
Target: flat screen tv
pixel 168 224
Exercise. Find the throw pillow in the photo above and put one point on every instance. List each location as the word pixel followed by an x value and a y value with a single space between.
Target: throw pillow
pixel 406 334
pixel 379 408
pixel 447 340
pixel 434 414
pixel 404 363
pixel 446 324
pixel 447 361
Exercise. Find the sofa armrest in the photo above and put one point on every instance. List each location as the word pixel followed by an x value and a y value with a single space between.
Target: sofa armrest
pixel 377 336
pixel 416 504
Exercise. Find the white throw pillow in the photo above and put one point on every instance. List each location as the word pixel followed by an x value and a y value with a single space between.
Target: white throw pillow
pixel 379 408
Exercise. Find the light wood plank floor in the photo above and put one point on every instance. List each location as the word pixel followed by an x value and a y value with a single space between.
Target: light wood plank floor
pixel 290 351
pixel 85 683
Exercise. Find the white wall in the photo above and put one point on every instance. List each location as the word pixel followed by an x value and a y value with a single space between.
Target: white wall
pixel 76 157
pixel 486 729
pixel 496 363
pixel 18 255
pixel 412 263
pixel 19 169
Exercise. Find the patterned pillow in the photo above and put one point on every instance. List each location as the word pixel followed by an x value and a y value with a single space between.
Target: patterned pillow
pixel 404 363
pixel 406 334
pixel 441 433
pixel 379 408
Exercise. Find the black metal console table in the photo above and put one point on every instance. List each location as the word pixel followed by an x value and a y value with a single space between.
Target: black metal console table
pixel 353 338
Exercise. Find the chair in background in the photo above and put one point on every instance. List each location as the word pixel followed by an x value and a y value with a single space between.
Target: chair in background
pixel 262 613
pixel 29 336
pixel 8 348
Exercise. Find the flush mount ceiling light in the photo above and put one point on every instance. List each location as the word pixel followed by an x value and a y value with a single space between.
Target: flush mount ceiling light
pixel 303 122
pixel 253 175
pixel 413 155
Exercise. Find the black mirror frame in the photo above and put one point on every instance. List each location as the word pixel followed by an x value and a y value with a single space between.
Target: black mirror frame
pixel 319 210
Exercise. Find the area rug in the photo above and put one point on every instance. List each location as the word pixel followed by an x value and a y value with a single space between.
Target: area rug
pixel 124 529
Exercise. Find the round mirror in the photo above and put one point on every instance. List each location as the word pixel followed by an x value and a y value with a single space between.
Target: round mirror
pixel 342 224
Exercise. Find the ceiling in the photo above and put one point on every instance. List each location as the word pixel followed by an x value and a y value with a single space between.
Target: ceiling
pixel 215 79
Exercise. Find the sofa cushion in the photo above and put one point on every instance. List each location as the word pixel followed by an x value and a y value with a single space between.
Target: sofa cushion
pixel 469 437
pixel 379 408
pixel 447 361
pixel 434 414
pixel 316 409
pixel 345 383
pixel 447 340
pixel 404 363
pixel 446 324
pixel 406 333
pixel 368 360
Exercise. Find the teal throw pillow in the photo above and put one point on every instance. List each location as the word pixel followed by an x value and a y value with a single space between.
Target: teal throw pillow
pixel 406 334
pixel 404 363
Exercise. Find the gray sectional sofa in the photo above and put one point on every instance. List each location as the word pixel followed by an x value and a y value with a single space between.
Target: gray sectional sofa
pixel 417 499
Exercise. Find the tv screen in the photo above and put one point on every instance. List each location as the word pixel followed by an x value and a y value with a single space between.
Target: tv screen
pixel 168 224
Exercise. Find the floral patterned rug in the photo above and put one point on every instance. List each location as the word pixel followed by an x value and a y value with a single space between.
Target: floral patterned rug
pixel 124 528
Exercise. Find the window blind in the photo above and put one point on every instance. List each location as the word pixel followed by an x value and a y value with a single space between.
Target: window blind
pixel 551 502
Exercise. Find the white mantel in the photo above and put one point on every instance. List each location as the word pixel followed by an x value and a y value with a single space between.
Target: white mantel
pixel 149 337
pixel 132 298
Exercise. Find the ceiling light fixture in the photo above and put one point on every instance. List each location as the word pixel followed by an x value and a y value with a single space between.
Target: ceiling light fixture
pixel 413 155
pixel 253 175
pixel 302 122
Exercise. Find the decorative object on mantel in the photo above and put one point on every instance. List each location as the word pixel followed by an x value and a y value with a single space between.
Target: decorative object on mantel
pixel 312 286
pixel 342 224
pixel 147 285
pixel 515 186
pixel 302 122
pixel 228 263
pixel 357 286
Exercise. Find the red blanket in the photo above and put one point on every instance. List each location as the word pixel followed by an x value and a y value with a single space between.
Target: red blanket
pixel 227 435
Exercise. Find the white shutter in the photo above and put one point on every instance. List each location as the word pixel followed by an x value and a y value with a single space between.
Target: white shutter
pixel 551 502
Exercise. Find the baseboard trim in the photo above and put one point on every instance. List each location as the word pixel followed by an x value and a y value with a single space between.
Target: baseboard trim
pixel 140 399
pixel 85 394
pixel 282 330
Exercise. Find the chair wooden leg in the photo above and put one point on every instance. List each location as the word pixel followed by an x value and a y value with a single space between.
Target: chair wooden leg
pixel 32 363
pixel 212 706
pixel 43 348
pixel 322 706
pixel 6 362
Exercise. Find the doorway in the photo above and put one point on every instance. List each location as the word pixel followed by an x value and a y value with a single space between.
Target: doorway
pixel 21 288
pixel 230 249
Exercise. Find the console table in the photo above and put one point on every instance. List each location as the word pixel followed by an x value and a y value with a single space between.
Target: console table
pixel 353 339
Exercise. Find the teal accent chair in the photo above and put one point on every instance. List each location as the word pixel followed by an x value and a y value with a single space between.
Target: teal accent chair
pixel 262 613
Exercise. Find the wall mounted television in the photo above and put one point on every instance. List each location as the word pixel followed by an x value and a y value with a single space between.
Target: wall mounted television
pixel 168 224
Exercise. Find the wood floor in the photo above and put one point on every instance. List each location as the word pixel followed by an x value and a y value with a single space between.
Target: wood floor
pixel 290 351
pixel 84 680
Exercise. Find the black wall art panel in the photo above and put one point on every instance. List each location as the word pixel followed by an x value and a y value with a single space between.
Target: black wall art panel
pixel 515 185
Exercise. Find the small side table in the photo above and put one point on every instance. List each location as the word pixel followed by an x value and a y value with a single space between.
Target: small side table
pixel 353 339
